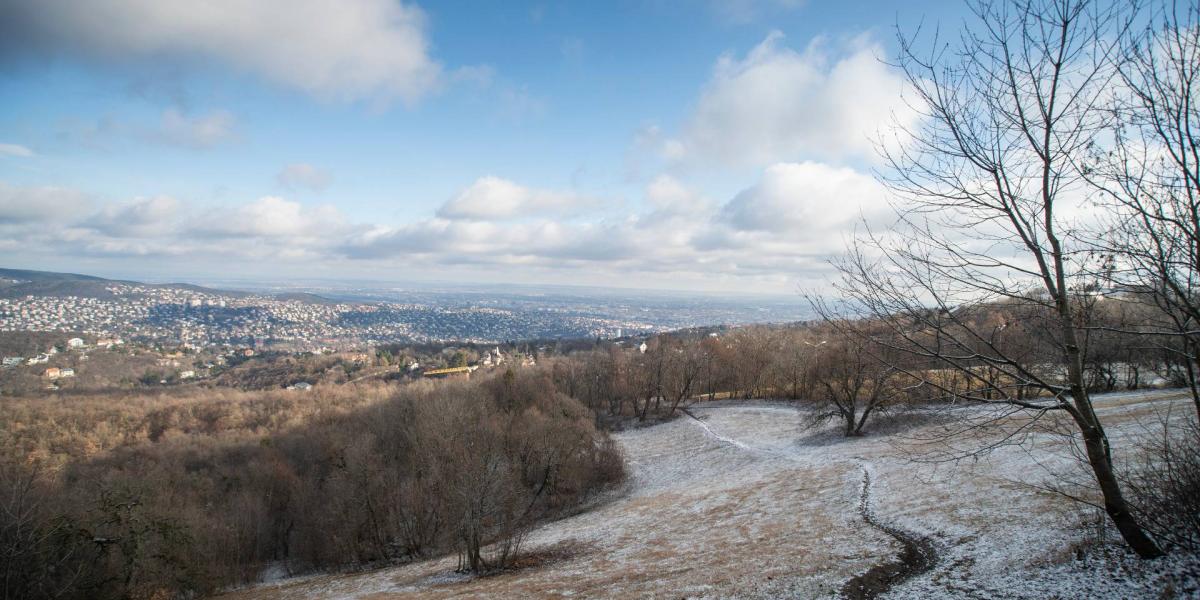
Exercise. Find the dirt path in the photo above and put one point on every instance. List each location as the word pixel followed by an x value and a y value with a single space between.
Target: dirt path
pixel 917 555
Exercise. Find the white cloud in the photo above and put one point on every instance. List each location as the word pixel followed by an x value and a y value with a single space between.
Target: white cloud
pixel 809 198
pixel 57 223
pixel 142 217
pixel 272 217
pixel 496 198
pixel 348 50
pixel 15 150
pixel 783 227
pixel 304 175
pixel 778 230
pixel 47 204
pixel 777 104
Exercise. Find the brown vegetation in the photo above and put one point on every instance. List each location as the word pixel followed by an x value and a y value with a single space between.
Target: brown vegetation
pixel 120 496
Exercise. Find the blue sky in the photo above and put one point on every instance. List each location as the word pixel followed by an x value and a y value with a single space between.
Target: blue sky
pixel 659 144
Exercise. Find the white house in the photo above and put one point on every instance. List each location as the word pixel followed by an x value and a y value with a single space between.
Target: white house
pixel 75 343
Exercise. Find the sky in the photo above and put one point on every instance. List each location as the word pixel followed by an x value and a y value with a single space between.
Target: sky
pixel 659 144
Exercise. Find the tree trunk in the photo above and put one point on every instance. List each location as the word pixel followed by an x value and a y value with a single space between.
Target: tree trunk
pixel 1098 452
pixel 848 416
pixel 1114 501
pixel 1191 372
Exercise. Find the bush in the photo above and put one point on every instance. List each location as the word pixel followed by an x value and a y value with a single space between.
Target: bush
pixel 1164 487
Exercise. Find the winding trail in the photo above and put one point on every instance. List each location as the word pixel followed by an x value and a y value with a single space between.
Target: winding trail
pixel 917 556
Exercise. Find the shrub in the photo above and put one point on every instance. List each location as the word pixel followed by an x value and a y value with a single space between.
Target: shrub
pixel 1165 486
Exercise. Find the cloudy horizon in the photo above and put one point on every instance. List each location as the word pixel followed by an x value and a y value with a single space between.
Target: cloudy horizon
pixel 708 146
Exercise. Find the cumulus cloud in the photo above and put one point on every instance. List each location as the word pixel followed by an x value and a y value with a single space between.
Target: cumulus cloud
pixel 496 198
pixel 349 50
pixel 21 205
pixel 668 194
pixel 271 217
pixel 780 228
pixel 303 175
pixel 804 197
pixel 60 223
pixel 142 217
pixel 777 104
pixel 784 226
pixel 15 150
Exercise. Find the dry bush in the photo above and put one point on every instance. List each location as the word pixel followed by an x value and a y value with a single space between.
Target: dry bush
pixel 1164 486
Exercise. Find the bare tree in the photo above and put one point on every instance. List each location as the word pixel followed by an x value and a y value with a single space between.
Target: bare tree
pixel 1150 172
pixel 986 180
pixel 849 380
pixel 686 363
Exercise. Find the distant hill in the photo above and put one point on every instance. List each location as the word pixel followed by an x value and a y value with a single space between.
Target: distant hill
pixel 303 297
pixel 15 283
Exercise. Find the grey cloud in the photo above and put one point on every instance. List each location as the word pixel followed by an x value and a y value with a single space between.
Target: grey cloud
pixel 351 50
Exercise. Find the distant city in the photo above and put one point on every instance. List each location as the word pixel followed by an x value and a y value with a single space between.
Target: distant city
pixel 344 316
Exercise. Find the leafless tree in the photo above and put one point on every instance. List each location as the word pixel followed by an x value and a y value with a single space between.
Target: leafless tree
pixel 851 382
pixel 685 366
pixel 985 183
pixel 1149 171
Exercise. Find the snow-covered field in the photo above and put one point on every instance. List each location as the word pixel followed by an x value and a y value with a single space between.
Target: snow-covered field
pixel 743 502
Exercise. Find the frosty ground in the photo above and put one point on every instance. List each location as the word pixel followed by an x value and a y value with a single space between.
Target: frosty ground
pixel 744 500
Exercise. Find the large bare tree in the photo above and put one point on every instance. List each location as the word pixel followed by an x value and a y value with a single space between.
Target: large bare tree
pixel 988 183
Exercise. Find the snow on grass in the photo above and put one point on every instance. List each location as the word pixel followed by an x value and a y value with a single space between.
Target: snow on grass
pixel 743 502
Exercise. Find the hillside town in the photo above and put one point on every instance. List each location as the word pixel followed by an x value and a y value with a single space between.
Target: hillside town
pixel 187 316
pixel 55 362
